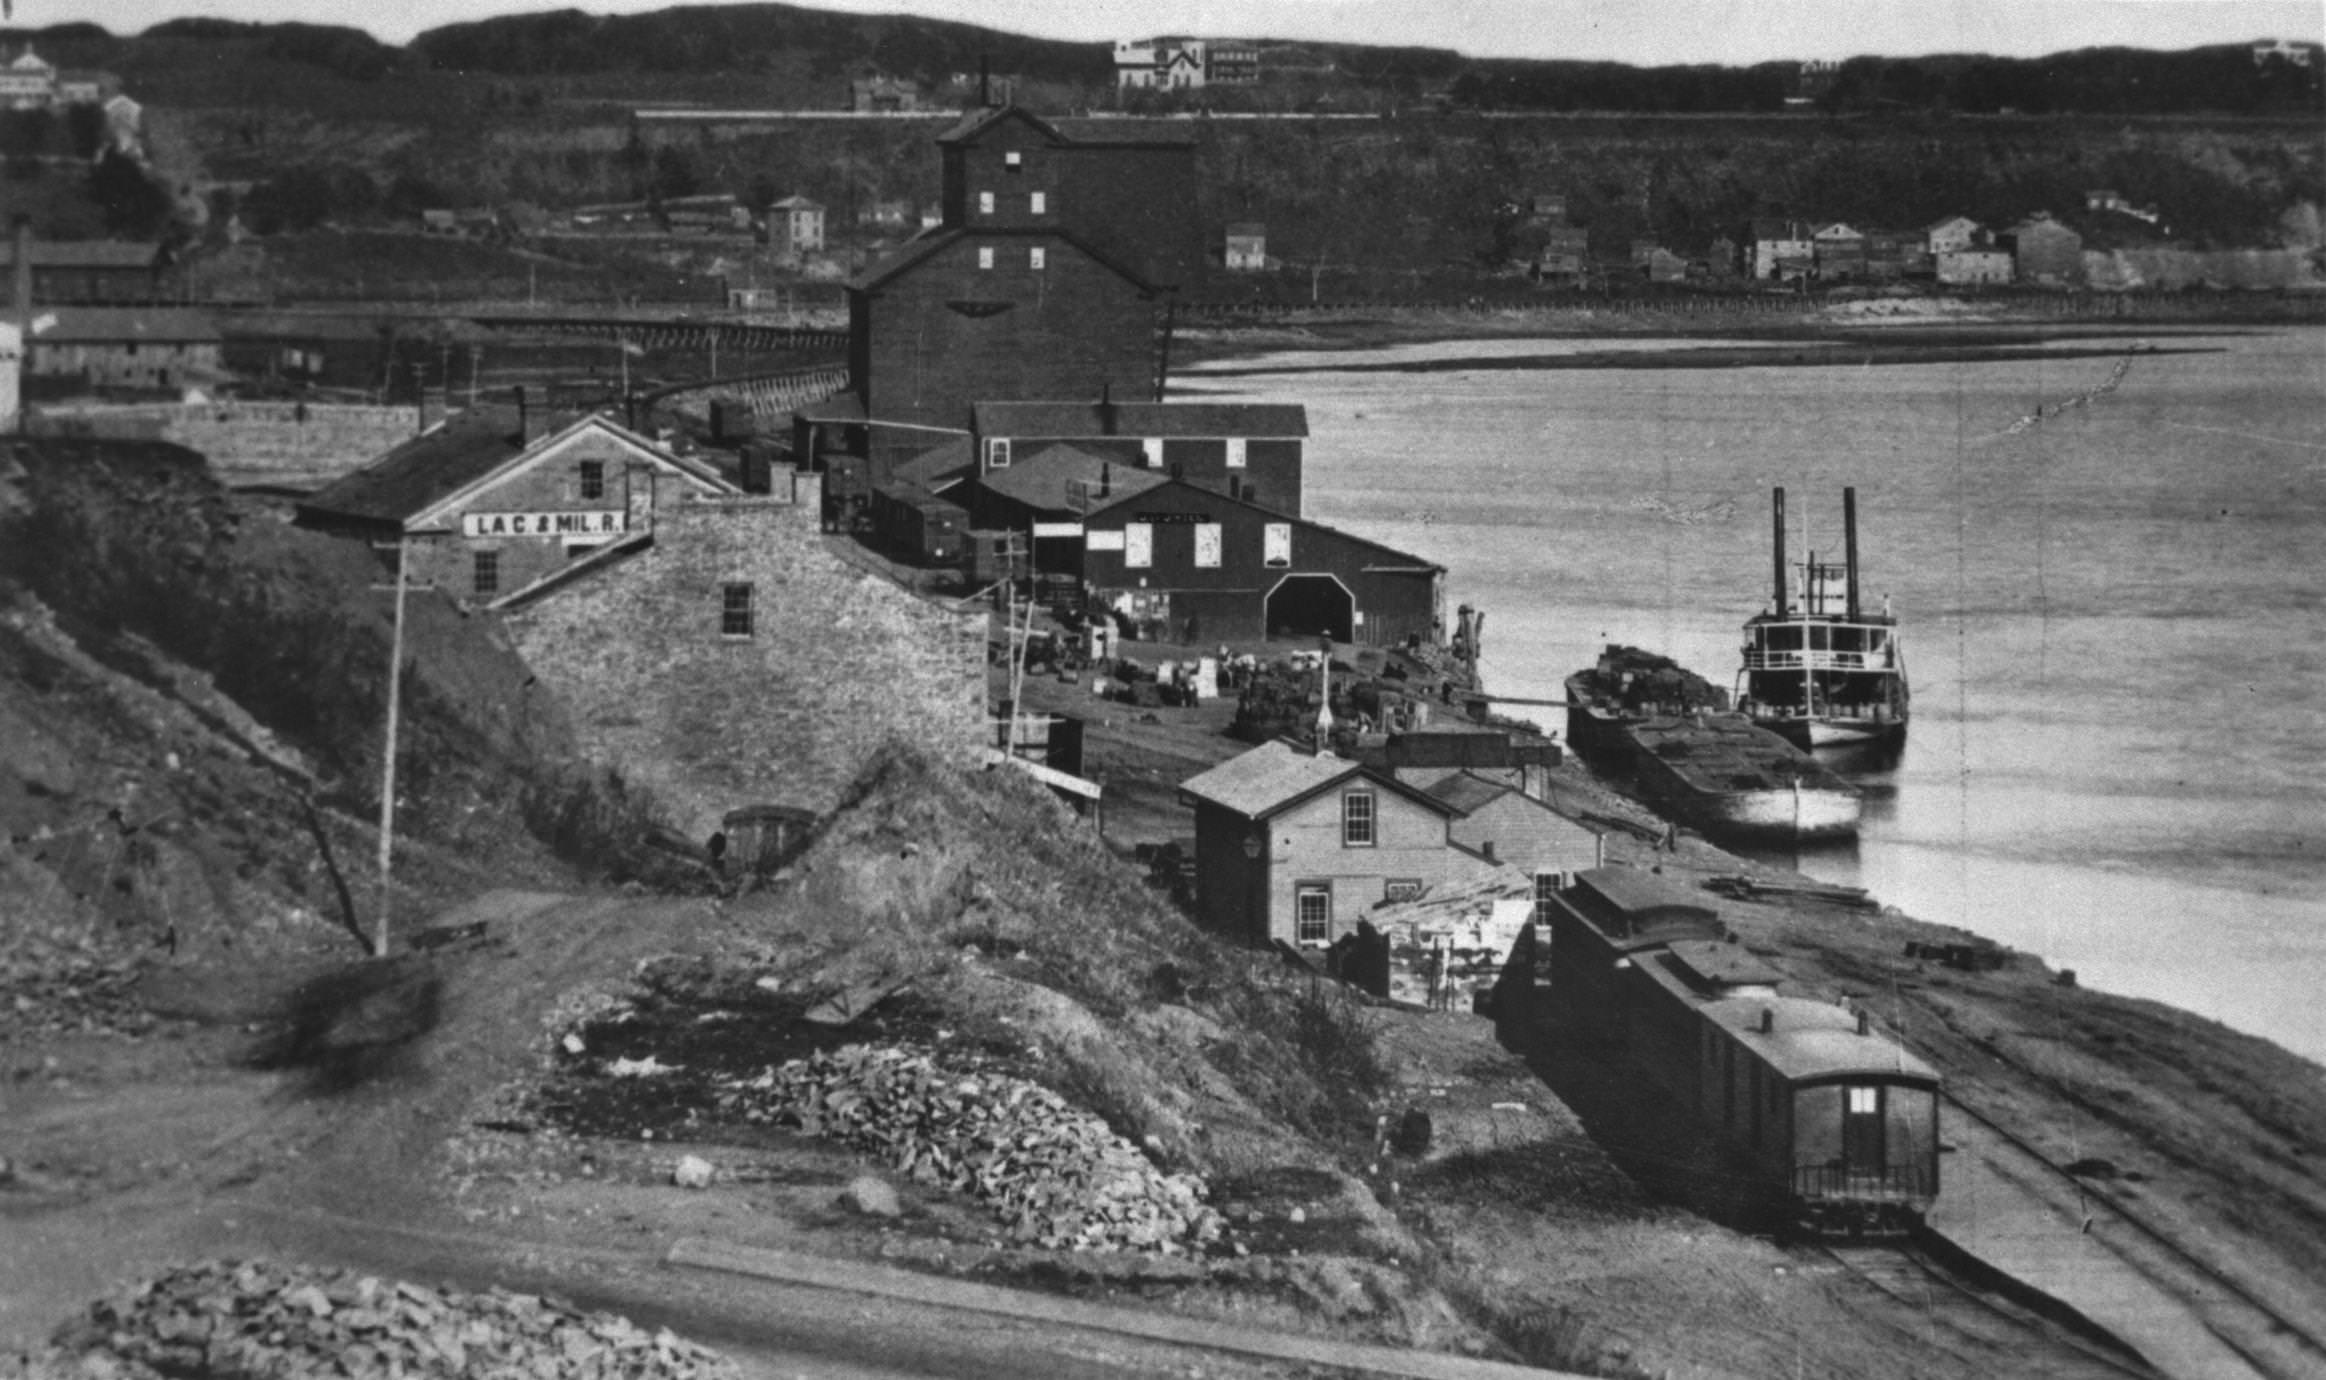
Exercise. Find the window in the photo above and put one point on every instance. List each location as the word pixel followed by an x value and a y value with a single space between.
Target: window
pixel 985 203
pixel 1038 203
pixel 1037 257
pixel 1276 545
pixel 1357 819
pixel 1207 546
pixel 1235 452
pixel 1138 545
pixel 1151 450
pixel 985 256
pixel 1546 887
pixel 1312 913
pixel 1863 1101
pixel 997 453
pixel 593 479
pixel 735 610
pixel 1013 160
pixel 486 580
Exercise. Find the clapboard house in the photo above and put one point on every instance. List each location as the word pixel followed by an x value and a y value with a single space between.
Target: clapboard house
pixel 1252 451
pixel 493 501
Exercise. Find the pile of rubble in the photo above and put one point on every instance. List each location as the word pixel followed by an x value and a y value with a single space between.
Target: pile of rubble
pixel 259 1319
pixel 1054 1173
pixel 45 996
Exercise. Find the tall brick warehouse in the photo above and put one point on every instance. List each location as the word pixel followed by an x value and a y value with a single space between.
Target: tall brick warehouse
pixel 731 659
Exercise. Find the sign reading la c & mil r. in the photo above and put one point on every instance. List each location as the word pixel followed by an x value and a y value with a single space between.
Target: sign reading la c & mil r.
pixel 595 522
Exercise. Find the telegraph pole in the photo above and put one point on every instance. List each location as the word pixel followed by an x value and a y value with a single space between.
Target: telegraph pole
pixel 388 757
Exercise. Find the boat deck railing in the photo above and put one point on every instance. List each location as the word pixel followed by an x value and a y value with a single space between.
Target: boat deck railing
pixel 1757 660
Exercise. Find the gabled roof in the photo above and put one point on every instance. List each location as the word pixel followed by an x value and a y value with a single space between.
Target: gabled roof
pixel 1944 221
pixel 922 248
pixel 796 202
pixel 1246 229
pixel 976 122
pixel 1086 420
pixel 416 481
pixel 1056 478
pixel 1404 560
pixel 1276 776
pixel 1465 794
pixel 940 467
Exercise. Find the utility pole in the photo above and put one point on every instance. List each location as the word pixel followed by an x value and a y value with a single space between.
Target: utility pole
pixel 388 757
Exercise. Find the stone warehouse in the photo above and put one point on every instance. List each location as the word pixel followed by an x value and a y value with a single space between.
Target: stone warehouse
pixel 484 506
pixel 728 658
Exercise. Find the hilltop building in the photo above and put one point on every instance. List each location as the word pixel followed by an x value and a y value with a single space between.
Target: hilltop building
pixel 796 225
pixel 1180 64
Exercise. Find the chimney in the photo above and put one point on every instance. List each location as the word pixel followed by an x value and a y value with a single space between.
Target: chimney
pixel 984 81
pixel 1106 479
pixel 23 298
pixel 1768 1020
pixel 1780 510
pixel 1488 849
pixel 1849 527
pixel 524 420
pixel 1106 409
pixel 1865 1022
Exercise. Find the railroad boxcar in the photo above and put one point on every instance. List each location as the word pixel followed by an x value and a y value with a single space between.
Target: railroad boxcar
pixel 1835 1125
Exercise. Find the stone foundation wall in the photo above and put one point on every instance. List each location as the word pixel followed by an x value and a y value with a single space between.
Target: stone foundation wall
pixel 837 661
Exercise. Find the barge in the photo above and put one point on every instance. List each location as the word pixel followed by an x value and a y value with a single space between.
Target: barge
pixel 1819 670
pixel 1670 740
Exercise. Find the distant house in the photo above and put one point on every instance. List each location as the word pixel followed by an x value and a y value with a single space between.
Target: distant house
pixel 882 95
pixel 1722 258
pixel 1889 254
pixel 1245 247
pixel 1838 251
pixel 796 224
pixel 1293 847
pixel 1952 233
pixel 889 213
pixel 1565 256
pixel 87 272
pixel 1780 249
pixel 440 221
pixel 2283 50
pixel 1661 265
pixel 491 502
pixel 2044 251
pixel 1983 265
pixel 134 349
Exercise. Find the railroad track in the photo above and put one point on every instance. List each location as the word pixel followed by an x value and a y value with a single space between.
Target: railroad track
pixel 2265 1338
pixel 1959 1314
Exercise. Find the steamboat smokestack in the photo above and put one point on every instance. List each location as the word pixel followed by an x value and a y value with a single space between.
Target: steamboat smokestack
pixel 22 266
pixel 1780 549
pixel 1849 528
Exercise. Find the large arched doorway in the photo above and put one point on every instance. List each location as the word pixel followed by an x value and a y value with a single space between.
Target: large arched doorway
pixel 1312 606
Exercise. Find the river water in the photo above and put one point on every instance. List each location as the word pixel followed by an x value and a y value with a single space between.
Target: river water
pixel 2110 573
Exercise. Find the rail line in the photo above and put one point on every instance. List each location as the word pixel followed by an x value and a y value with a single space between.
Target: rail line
pixel 1979 1314
pixel 2275 1322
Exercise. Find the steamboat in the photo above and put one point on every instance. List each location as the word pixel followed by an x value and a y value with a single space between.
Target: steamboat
pixel 1819 670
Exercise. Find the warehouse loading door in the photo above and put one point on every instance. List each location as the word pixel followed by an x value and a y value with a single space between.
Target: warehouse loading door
pixel 1312 606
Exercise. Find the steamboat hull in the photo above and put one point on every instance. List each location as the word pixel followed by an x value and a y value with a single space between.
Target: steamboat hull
pixel 1716 773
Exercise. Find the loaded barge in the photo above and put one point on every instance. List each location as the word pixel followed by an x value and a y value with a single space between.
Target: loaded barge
pixel 1669 738
pixel 1819 670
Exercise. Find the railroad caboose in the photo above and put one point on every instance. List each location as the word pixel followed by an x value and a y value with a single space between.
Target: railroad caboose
pixel 1835 1125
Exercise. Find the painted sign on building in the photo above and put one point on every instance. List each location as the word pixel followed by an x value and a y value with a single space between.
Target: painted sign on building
pixel 609 522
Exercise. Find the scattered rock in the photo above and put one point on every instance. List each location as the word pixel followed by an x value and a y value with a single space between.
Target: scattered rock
pixel 692 1172
pixel 257 1318
pixel 871 1196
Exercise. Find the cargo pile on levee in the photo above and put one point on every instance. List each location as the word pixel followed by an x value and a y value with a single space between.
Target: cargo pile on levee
pixel 1668 737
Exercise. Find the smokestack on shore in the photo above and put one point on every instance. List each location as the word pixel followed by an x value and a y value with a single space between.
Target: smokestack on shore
pixel 1849 527
pixel 1780 548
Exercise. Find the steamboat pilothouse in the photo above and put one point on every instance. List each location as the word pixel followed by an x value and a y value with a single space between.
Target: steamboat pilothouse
pixel 1818 669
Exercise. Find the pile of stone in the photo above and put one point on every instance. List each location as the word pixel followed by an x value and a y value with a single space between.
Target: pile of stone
pixel 1055 1174
pixel 258 1320
pixel 44 996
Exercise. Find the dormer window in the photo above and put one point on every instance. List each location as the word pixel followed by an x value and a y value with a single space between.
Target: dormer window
pixel 1013 160
pixel 997 453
